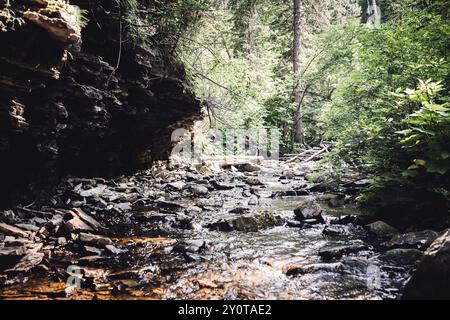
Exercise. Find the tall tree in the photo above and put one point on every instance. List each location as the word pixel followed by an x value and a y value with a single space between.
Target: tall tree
pixel 250 28
pixel 299 135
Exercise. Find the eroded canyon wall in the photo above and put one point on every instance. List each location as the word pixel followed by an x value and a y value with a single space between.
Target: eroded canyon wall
pixel 85 101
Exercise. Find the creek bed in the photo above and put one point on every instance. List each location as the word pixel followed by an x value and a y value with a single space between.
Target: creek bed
pixel 275 262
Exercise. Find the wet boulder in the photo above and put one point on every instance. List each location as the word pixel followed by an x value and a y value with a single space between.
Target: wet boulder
pixel 289 193
pixel 254 181
pixel 333 200
pixel 248 167
pixel 240 210
pixel 151 216
pixel 221 185
pixel 350 219
pixel 194 210
pixel 336 230
pixel 402 256
pixel 94 240
pixel 192 246
pixel 336 252
pixel 431 280
pixel 308 209
pixel 301 269
pixel 413 240
pixel 165 207
pixel 177 186
pixel 198 190
pixel 182 221
pixel 381 229
pixel 247 222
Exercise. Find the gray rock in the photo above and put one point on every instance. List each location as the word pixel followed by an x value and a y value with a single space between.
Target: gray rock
pixel 87 218
pixel 182 221
pixel 77 225
pixel 253 201
pixel 240 210
pixel 247 222
pixel 336 230
pixel 93 192
pixel 333 200
pixel 402 256
pixel 12 231
pixel 8 215
pixel 301 269
pixel 413 240
pixel 151 216
pixel 194 209
pixel 381 229
pixel 254 181
pixel 123 206
pixel 192 246
pixel 248 167
pixel 199 190
pixel 308 209
pixel 167 206
pixel 220 185
pixel 289 193
pixel 114 250
pixel 178 185
pixel 53 225
pixel 356 220
pixel 38 221
pixel 431 280
pixel 79 220
pixel 92 250
pixel 28 262
pixel 361 183
pixel 336 252
pixel 12 252
pixel 28 226
pixel 95 240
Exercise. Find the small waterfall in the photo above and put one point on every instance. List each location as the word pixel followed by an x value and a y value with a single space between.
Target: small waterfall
pixel 373 13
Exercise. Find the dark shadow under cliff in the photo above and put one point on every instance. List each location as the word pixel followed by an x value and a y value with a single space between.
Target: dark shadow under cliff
pixel 103 106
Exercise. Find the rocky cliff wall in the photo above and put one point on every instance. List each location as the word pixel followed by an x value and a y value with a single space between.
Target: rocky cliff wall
pixel 83 101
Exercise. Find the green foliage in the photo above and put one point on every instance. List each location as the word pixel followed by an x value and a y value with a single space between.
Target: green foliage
pixel 239 57
pixel 427 136
pixel 401 138
pixel 160 22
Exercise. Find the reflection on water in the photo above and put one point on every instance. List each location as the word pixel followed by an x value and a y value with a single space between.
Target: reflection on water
pixel 276 263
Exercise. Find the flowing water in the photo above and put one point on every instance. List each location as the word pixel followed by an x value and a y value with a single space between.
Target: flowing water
pixel 234 264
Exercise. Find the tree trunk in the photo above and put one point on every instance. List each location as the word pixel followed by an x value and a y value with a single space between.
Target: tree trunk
pixel 250 30
pixel 298 129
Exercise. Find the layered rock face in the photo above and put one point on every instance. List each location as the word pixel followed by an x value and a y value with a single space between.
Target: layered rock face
pixel 84 101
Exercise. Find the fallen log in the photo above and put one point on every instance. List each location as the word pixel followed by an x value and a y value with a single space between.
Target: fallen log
pixel 229 161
